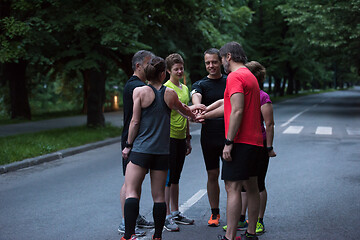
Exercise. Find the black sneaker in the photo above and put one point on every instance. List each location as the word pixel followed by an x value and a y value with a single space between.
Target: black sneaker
pixel 141 222
pixel 248 236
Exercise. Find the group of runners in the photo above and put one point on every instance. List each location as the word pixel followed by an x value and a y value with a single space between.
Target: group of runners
pixel 156 139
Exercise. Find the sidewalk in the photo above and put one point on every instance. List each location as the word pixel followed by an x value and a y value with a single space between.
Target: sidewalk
pixel 115 118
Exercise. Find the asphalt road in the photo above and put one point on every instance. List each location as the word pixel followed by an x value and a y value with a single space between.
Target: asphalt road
pixel 313 184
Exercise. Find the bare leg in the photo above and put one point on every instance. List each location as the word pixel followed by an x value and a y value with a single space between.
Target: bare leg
pixel 167 200
pixel 233 207
pixel 213 189
pixel 252 192
pixel 123 198
pixel 244 203
pixel 263 200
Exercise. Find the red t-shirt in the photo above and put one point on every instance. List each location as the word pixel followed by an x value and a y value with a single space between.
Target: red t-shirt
pixel 243 81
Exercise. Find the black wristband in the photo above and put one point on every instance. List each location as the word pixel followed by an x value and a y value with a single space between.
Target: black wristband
pixel 188 137
pixel 228 142
pixel 270 149
pixel 128 145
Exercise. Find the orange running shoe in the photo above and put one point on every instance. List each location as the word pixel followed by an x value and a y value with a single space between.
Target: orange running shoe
pixel 214 220
pixel 133 237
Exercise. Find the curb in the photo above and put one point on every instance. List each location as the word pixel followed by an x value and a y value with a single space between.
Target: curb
pixel 56 155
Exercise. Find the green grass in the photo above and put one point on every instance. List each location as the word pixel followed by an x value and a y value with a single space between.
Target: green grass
pixel 19 147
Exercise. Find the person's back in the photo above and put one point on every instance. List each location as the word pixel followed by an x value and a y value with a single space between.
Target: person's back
pixel 154 131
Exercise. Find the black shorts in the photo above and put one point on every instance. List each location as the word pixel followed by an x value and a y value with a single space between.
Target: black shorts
pixel 244 162
pixel 150 161
pixel 212 149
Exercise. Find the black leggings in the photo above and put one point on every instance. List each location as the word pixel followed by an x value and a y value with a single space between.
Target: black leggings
pixel 177 159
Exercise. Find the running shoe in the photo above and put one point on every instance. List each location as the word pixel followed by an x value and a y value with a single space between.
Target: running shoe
pixel 180 218
pixel 241 226
pixel 248 236
pixel 260 228
pixel 133 237
pixel 141 222
pixel 223 238
pixel 156 238
pixel 170 225
pixel 138 232
pixel 214 220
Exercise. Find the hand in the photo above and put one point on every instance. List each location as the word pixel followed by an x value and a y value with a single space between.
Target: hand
pixel 125 153
pixel 272 153
pixel 197 108
pixel 227 152
pixel 200 118
pixel 188 147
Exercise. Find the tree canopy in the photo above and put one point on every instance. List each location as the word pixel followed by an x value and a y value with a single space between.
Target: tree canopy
pixel 82 44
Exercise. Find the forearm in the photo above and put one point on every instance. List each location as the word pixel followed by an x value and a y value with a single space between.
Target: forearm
pixel 234 124
pixel 269 135
pixel 215 105
pixel 215 113
pixel 133 131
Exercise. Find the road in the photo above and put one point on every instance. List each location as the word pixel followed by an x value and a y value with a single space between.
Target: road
pixel 313 183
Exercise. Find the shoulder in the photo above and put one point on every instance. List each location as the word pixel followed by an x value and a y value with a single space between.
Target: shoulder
pixel 142 90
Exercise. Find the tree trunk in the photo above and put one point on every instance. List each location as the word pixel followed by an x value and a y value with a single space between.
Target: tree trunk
pixel 15 74
pixel 282 89
pixel 277 90
pixel 85 90
pixel 96 97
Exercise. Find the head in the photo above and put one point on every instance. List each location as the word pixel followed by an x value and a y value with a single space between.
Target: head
pixel 175 65
pixel 213 62
pixel 139 62
pixel 155 70
pixel 232 51
pixel 258 70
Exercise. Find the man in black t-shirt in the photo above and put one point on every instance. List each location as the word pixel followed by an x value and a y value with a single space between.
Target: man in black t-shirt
pixel 206 91
pixel 139 62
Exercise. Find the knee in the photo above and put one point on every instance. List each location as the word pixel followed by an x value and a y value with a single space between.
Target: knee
pixel 213 175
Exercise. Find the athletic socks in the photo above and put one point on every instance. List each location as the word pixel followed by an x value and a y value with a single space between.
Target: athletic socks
pixel 159 214
pixel 215 211
pixel 261 220
pixel 242 218
pixel 131 211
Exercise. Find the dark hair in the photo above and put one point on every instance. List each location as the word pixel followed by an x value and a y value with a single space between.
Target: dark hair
pixel 139 57
pixel 258 70
pixel 213 51
pixel 155 67
pixel 236 51
pixel 172 59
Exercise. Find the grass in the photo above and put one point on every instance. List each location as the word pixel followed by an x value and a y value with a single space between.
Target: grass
pixel 19 147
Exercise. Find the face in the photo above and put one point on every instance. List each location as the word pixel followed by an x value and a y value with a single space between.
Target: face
pixel 225 64
pixel 177 71
pixel 142 67
pixel 212 64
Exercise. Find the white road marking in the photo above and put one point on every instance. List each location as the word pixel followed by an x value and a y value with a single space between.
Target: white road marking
pixel 194 199
pixel 293 118
pixel 293 130
pixel 353 131
pixel 323 130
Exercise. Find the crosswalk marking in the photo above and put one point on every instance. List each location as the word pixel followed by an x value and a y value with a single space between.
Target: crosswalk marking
pixel 323 130
pixel 293 130
pixel 353 131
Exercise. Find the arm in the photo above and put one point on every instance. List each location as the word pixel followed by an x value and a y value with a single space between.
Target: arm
pixel 214 110
pixel 134 123
pixel 197 107
pixel 237 108
pixel 215 105
pixel 173 102
pixel 267 113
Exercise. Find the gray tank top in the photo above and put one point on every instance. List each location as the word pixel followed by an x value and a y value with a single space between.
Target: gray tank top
pixel 154 131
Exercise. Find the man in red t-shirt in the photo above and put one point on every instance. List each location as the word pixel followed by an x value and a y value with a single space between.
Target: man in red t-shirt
pixel 241 109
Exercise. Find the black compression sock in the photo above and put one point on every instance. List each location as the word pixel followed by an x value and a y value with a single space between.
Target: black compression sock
pixel 159 214
pixel 242 218
pixel 215 211
pixel 261 220
pixel 131 211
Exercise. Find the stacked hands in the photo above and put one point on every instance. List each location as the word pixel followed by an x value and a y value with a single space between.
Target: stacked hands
pixel 199 111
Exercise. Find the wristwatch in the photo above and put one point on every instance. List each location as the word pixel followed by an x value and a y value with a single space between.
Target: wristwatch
pixel 269 148
pixel 228 142
pixel 128 145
